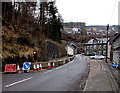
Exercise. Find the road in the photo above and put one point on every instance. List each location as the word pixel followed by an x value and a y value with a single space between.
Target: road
pixel 69 77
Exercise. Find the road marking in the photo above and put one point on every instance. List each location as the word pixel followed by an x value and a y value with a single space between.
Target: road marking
pixel 18 82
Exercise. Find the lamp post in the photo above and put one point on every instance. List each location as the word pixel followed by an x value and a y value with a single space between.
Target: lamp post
pixel 107 43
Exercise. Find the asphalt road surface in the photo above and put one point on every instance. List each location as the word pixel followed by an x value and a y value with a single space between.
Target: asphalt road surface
pixel 69 77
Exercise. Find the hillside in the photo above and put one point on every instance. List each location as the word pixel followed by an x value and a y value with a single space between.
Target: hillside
pixel 23 33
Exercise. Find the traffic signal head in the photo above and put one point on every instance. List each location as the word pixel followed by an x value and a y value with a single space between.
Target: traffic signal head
pixel 34 52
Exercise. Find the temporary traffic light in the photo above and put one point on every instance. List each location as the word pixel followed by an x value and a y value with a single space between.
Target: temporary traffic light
pixel 35 55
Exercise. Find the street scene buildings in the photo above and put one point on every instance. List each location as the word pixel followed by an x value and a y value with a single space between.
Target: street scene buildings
pixel 43 52
pixel 116 48
pixel 96 46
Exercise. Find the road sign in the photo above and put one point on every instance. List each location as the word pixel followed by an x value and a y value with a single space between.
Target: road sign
pixel 26 66
pixel 10 68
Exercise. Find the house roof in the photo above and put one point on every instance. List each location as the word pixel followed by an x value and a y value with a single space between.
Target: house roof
pixel 73 45
pixel 101 40
pixel 116 36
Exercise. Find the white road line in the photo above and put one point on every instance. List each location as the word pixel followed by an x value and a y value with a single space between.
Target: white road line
pixel 18 82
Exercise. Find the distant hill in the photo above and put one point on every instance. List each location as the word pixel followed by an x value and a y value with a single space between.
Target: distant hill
pixel 73 24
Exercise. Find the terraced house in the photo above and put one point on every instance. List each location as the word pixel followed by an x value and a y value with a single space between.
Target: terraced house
pixel 96 46
pixel 116 48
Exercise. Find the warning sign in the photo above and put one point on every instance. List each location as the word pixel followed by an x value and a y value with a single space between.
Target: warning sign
pixel 26 66
pixel 10 68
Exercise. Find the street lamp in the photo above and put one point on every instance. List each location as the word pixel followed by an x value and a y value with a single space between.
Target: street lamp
pixel 107 44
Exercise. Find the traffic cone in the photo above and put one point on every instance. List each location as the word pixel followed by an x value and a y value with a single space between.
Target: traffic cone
pixel 34 68
pixel 53 65
pixel 40 67
pixel 18 69
pixel 49 66
pixel 37 67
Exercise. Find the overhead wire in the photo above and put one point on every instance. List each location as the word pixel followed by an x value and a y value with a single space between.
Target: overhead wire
pixel 113 11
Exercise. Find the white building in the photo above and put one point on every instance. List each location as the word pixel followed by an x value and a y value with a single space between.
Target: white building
pixel 71 49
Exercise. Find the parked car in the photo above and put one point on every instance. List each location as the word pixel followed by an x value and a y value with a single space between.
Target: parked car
pixel 97 57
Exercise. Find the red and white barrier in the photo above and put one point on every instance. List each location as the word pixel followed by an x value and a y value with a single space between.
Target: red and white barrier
pixel 10 68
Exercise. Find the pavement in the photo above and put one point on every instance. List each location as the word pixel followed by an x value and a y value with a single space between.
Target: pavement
pixel 69 77
pixel 115 72
pixel 100 78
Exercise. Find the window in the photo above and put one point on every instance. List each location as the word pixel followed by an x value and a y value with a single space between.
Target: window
pixel 99 52
pixel 94 46
pixel 100 46
pixel 87 52
pixel 87 47
pixel 104 52
pixel 91 47
pixel 104 46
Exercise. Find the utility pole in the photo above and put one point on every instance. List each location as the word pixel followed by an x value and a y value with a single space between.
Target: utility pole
pixel 107 43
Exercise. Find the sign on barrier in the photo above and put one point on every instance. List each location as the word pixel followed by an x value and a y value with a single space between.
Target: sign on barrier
pixel 10 68
pixel 26 66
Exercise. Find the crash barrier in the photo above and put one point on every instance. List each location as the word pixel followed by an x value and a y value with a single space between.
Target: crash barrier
pixel 36 66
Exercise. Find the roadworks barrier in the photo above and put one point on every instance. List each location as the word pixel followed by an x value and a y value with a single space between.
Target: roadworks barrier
pixel 39 66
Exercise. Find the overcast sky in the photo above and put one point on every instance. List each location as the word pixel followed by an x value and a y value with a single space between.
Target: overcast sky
pixel 92 12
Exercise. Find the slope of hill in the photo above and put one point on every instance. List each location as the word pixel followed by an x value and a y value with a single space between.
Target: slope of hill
pixel 23 33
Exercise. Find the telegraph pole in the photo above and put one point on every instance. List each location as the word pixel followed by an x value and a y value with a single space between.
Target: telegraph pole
pixel 107 43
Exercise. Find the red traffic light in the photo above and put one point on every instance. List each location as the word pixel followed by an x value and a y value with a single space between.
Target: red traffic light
pixel 34 52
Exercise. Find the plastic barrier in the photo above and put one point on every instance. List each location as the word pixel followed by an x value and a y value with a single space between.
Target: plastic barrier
pixel 42 65
pixel 10 68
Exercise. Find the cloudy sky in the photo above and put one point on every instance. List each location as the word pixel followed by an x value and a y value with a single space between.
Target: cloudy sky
pixel 92 12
